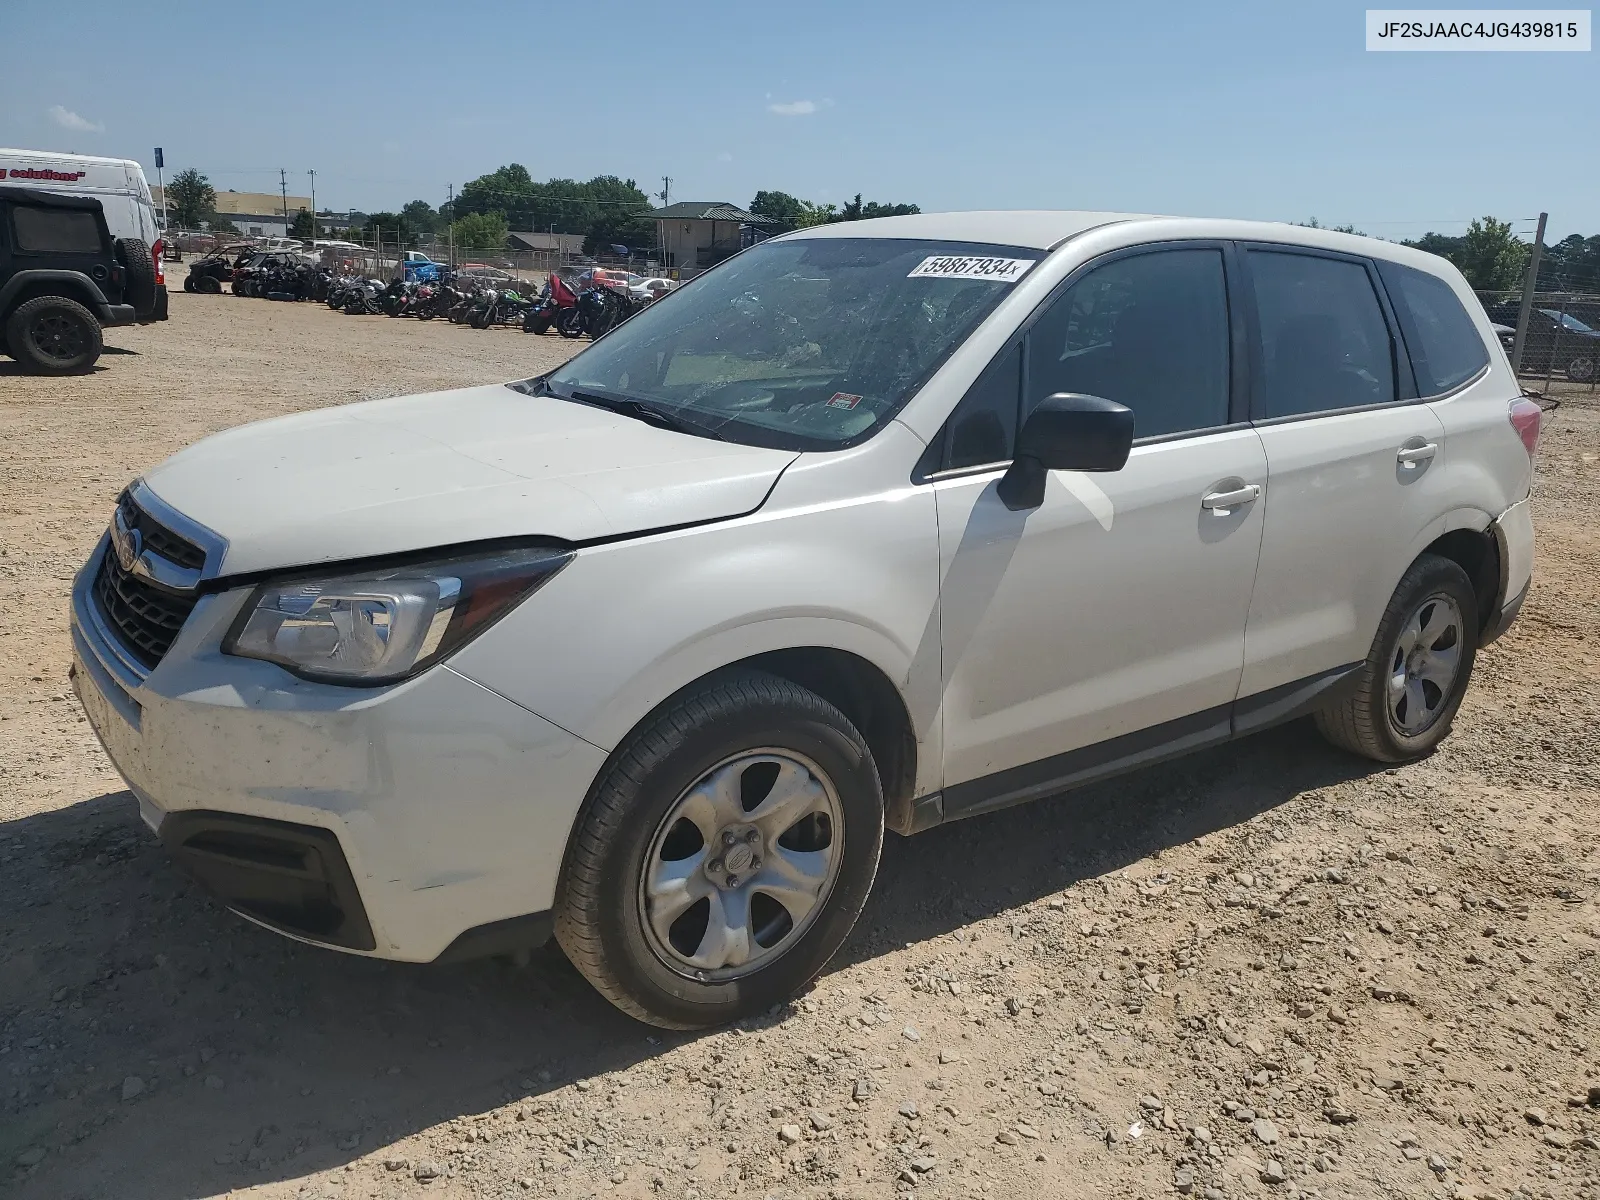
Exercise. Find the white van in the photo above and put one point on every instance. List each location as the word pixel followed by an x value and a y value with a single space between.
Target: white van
pixel 118 183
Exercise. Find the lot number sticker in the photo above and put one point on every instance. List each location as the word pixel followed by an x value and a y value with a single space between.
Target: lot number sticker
pixel 996 270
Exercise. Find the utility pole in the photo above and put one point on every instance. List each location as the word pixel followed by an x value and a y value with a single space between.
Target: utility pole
pixel 313 175
pixel 1528 285
pixel 283 190
pixel 666 190
pixel 450 225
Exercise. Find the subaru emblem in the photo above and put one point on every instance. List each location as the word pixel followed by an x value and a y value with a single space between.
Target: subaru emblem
pixel 126 543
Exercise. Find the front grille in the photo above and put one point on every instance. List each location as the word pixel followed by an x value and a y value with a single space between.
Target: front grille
pixel 161 540
pixel 145 617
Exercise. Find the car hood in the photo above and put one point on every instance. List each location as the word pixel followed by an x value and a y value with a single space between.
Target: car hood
pixel 388 476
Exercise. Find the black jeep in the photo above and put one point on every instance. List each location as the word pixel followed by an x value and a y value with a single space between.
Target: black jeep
pixel 63 277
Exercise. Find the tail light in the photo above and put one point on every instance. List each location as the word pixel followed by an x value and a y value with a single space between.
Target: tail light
pixel 159 252
pixel 1526 417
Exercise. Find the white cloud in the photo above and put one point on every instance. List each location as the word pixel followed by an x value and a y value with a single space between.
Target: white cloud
pixel 68 119
pixel 794 108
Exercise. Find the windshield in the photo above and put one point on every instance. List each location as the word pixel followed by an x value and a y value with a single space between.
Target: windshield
pixel 1567 319
pixel 810 344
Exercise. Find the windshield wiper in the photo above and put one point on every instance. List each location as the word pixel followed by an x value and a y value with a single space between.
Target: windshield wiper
pixel 639 410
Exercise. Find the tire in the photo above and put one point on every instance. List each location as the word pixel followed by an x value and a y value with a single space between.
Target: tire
pixel 208 285
pixel 52 335
pixel 139 263
pixel 738 727
pixel 1420 716
pixel 1581 369
pixel 569 324
pixel 188 283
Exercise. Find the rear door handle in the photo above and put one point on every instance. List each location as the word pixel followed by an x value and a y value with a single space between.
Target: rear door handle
pixel 1411 457
pixel 1223 503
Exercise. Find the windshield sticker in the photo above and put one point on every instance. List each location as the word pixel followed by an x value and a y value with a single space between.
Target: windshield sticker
pixel 843 400
pixel 997 270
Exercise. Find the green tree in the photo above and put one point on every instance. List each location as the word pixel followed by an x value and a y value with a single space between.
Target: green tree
pixel 191 199
pixel 304 225
pixel 1492 257
pixel 816 214
pixel 778 206
pixel 604 209
pixel 481 231
pixel 857 211
pixel 1573 264
pixel 219 224
pixel 1488 254
pixel 420 217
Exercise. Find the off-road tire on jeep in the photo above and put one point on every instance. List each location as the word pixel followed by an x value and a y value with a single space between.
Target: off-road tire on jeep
pixel 600 917
pixel 139 264
pixel 1367 723
pixel 208 285
pixel 53 335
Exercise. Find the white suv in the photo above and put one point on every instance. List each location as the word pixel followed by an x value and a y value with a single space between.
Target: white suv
pixel 875 525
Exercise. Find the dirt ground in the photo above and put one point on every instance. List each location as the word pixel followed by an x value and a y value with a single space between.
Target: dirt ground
pixel 1267 970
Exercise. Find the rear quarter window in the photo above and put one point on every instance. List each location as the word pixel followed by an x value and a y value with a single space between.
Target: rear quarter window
pixel 56 230
pixel 1444 344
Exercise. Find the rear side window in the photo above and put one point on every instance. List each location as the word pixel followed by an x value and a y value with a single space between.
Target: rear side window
pixel 1445 348
pixel 1149 331
pixel 56 230
pixel 1324 341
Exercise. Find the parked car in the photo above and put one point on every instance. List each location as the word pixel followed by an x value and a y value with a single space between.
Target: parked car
pixel 1555 341
pixel 63 277
pixel 875 525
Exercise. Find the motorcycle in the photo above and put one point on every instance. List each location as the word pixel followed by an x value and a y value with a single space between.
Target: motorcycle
pixel 554 299
pixel 600 309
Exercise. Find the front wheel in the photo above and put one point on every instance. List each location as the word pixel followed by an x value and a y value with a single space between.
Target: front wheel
pixel 723 855
pixel 1417 671
pixel 1581 369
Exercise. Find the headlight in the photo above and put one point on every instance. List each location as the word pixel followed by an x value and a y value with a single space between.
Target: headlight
pixel 382 625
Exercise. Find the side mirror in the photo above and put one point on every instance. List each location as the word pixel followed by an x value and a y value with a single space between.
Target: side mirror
pixel 1068 431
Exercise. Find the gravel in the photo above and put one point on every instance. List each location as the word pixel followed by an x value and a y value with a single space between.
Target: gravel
pixel 1162 935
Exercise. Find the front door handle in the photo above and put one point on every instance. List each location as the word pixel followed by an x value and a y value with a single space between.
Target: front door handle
pixel 1223 503
pixel 1412 457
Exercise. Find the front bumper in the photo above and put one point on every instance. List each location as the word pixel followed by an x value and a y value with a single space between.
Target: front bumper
pixel 397 821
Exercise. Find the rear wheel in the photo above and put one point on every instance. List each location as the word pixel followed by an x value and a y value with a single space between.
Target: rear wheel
pixel 1581 369
pixel 54 336
pixel 724 854
pixel 1417 671
pixel 208 285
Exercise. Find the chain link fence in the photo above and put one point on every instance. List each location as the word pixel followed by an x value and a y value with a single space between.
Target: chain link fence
pixel 1550 325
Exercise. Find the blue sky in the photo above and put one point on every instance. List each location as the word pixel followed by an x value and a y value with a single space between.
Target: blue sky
pixel 1254 110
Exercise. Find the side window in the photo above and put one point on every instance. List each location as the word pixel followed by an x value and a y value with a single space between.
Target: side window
pixel 1149 331
pixel 983 427
pixel 56 230
pixel 1324 341
pixel 1444 344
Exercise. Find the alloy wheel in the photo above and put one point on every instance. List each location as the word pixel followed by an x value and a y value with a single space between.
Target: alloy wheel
pixel 741 865
pixel 1426 663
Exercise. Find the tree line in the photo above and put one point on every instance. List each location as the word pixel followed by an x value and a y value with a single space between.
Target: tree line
pixel 610 211
pixel 1495 259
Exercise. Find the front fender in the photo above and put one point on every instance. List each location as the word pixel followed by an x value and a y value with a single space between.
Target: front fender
pixel 626 625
